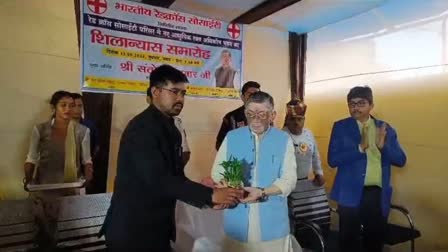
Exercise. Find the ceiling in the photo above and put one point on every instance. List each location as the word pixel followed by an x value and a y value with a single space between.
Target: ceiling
pixel 309 15
pixel 302 17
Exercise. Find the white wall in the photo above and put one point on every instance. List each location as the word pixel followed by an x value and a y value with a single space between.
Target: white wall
pixel 400 50
pixel 39 55
pixel 265 60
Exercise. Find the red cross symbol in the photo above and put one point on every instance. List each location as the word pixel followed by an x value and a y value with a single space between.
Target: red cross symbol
pixel 233 30
pixel 97 6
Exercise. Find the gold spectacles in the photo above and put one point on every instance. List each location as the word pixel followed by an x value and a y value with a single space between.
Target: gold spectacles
pixel 263 115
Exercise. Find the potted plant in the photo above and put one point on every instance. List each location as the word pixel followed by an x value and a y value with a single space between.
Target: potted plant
pixel 233 174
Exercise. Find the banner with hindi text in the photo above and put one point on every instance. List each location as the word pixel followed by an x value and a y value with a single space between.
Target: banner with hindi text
pixel 123 41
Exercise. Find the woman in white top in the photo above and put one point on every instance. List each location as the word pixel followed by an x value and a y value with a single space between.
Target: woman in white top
pixel 56 150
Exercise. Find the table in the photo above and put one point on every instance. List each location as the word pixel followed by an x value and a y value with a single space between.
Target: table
pixel 201 230
pixel 205 226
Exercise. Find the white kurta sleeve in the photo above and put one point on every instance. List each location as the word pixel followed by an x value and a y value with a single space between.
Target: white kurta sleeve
pixel 33 149
pixel 180 127
pixel 185 146
pixel 217 168
pixel 287 181
pixel 317 164
pixel 85 148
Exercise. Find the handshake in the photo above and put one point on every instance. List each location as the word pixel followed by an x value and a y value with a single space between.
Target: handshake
pixel 227 197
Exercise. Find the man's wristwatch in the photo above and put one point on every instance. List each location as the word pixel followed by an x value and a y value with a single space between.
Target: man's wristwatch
pixel 263 196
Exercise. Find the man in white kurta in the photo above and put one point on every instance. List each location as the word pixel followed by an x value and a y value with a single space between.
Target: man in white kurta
pixel 308 201
pixel 260 114
pixel 306 151
pixel 185 147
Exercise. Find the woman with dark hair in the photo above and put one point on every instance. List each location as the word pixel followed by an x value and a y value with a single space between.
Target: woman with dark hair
pixel 56 150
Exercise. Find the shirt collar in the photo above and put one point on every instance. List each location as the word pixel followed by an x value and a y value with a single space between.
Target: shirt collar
pixel 289 132
pixel 367 122
pixel 262 135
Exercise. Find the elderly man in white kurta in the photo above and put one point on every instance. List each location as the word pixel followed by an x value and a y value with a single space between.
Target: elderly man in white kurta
pixel 260 223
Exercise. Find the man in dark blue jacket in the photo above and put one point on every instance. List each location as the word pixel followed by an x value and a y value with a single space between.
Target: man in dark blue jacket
pixel 363 149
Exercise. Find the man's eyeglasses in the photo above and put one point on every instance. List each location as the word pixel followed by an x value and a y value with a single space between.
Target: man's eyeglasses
pixel 176 91
pixel 263 115
pixel 361 104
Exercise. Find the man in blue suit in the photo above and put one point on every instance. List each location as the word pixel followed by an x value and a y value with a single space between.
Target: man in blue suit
pixel 363 149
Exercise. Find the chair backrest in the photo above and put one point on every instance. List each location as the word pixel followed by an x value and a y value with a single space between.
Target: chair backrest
pixel 79 222
pixel 310 203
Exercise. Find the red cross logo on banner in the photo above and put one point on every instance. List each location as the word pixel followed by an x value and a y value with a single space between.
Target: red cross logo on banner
pixel 97 6
pixel 233 30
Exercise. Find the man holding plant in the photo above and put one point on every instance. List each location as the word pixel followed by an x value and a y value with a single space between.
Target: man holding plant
pixel 261 159
pixel 150 173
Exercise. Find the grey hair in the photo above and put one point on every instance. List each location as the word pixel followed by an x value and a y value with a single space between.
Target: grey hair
pixel 261 97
